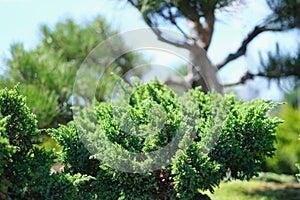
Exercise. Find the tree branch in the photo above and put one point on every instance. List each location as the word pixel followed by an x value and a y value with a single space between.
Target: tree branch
pixel 202 32
pixel 250 76
pixel 158 33
pixel 243 48
pixel 173 21
pixel 243 79
pixel 210 22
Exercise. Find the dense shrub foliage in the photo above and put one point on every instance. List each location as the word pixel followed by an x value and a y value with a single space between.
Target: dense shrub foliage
pixel 287 143
pixel 24 167
pixel 298 166
pixel 216 137
pixel 298 175
pixel 230 138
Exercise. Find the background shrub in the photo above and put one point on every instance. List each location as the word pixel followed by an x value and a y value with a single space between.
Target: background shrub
pixel 287 143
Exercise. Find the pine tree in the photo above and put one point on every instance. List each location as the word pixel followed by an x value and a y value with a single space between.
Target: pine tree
pixel 47 72
pixel 198 31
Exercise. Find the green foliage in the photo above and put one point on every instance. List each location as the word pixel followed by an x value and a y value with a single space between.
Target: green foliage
pixel 6 149
pixel 282 65
pixel 63 186
pixel 145 104
pixel 278 65
pixel 285 13
pixel 212 134
pixel 107 183
pixel 227 136
pixel 24 168
pixel 74 153
pixel 291 97
pixel 261 188
pixel 298 175
pixel 6 152
pixel 274 177
pixel 171 10
pixel 247 137
pixel 47 72
pixel 20 124
pixel 20 165
pixel 288 148
pixel 46 81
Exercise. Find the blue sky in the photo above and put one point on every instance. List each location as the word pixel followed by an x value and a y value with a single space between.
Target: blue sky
pixel 20 21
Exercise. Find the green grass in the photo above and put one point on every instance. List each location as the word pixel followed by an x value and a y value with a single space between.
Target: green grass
pixel 266 187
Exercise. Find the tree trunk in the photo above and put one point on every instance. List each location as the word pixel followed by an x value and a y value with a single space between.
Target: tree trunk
pixel 201 72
